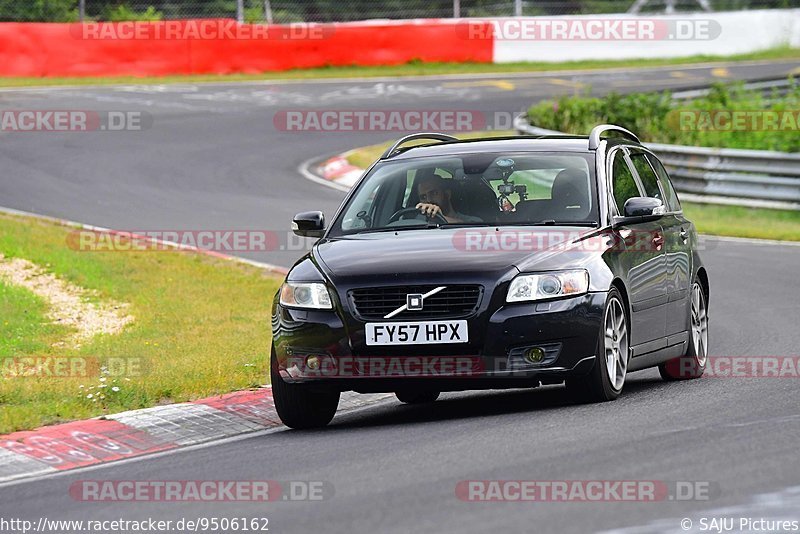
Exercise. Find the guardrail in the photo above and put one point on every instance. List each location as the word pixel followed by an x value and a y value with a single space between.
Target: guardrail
pixel 752 178
pixel 767 88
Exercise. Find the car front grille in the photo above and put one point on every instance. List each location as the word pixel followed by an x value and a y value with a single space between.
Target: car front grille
pixel 453 301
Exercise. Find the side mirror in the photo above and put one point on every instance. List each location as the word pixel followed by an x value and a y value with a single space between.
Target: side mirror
pixel 309 224
pixel 640 209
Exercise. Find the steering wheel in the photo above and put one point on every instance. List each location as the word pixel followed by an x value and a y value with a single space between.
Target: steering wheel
pixel 407 211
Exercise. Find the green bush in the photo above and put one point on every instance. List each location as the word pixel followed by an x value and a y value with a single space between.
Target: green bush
pixel 656 117
pixel 121 13
pixel 38 10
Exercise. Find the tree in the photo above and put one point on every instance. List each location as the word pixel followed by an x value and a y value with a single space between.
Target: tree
pixel 38 10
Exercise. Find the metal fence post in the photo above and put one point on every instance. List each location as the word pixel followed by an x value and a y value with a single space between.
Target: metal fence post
pixel 81 10
pixel 517 8
pixel 267 12
pixel 240 11
pixel 456 9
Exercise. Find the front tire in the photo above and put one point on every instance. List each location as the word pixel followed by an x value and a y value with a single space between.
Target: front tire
pixel 607 377
pixel 301 406
pixel 692 364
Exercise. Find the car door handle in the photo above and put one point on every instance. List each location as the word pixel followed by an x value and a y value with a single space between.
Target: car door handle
pixel 658 241
pixel 684 235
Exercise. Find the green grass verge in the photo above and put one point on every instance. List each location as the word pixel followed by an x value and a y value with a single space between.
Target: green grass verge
pixel 736 221
pixel 414 68
pixel 202 327
pixel 732 221
pixel 23 326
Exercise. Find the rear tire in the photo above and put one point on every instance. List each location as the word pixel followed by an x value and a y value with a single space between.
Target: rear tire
pixel 301 406
pixel 692 364
pixel 417 397
pixel 613 355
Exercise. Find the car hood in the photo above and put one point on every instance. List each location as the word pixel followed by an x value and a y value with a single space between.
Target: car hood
pixel 448 253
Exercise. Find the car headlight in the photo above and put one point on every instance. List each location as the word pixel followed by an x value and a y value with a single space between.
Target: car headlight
pixel 528 287
pixel 306 295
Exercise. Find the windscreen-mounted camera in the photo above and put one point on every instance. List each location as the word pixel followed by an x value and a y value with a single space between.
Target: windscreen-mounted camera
pixel 507 188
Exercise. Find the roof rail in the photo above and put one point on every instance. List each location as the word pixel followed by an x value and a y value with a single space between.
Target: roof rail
pixel 597 131
pixel 428 135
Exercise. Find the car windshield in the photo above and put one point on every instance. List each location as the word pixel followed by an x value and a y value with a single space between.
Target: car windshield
pixel 473 190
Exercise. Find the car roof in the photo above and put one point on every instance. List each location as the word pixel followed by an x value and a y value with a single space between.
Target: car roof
pixel 565 143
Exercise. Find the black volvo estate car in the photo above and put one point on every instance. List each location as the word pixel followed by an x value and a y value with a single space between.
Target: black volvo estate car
pixel 492 263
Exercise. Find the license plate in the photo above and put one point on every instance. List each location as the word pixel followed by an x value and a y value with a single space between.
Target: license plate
pixel 417 333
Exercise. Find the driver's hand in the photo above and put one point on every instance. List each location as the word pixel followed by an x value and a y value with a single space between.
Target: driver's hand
pixel 429 210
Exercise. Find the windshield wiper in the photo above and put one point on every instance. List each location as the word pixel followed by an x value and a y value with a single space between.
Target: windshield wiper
pixel 469 224
pixel 397 228
pixel 552 222
pixel 430 225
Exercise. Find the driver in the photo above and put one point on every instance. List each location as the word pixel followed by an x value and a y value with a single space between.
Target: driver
pixel 434 195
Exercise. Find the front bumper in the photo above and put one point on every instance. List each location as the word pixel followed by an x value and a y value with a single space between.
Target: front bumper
pixel 319 347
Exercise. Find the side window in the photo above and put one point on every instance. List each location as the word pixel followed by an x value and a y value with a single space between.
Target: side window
pixel 646 175
pixel 623 184
pixel 673 204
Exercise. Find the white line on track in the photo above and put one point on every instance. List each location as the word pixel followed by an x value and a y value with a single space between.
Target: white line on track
pixel 305 172
pixel 189 448
pixel 177 246
pixel 780 505
pixel 752 241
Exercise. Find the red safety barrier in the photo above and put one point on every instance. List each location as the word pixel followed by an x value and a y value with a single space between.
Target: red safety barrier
pixel 184 47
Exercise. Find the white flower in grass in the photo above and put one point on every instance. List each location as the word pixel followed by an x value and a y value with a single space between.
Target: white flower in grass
pixel 89 396
pixel 115 389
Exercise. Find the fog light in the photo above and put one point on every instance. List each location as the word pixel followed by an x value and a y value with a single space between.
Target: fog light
pixel 534 355
pixel 312 363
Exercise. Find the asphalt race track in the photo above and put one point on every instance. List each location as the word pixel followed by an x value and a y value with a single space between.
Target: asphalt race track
pixel 212 159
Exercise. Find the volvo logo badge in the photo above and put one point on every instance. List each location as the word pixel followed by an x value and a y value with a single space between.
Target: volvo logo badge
pixel 414 302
